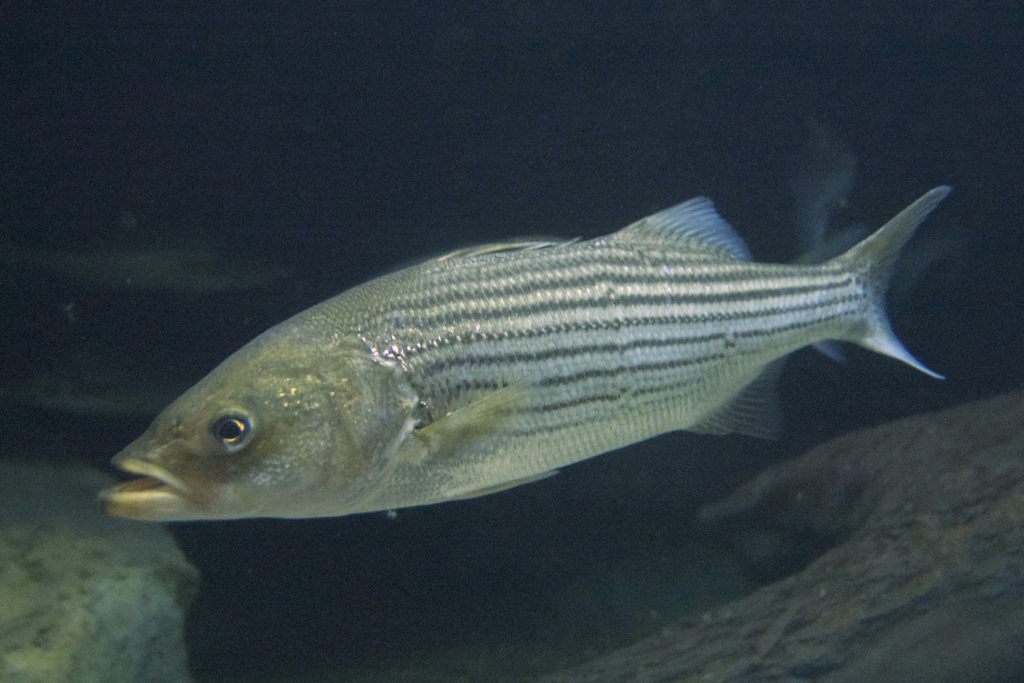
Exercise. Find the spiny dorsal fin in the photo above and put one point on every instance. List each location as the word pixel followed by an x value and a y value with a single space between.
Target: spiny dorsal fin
pixel 694 221
pixel 499 247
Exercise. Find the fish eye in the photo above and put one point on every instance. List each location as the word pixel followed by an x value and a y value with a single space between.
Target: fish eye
pixel 232 429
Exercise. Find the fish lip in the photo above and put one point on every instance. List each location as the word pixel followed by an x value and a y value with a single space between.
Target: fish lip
pixel 148 470
pixel 156 495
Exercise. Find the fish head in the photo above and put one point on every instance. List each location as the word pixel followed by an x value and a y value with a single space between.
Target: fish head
pixel 285 427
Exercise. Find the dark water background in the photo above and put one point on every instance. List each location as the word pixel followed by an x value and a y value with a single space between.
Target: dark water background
pixel 346 139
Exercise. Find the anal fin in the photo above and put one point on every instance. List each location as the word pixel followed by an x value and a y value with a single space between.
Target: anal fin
pixel 754 411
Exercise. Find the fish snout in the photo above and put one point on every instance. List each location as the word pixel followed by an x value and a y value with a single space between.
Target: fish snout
pixel 155 495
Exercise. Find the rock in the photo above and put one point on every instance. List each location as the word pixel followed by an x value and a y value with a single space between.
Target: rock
pixel 84 597
pixel 925 581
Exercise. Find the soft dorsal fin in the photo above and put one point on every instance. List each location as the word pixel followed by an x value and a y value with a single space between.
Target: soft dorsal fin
pixel 695 221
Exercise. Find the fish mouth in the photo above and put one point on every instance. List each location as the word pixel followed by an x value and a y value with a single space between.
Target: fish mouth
pixel 156 495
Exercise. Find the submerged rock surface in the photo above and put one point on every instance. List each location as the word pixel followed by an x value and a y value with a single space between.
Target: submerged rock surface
pixel 925 582
pixel 84 597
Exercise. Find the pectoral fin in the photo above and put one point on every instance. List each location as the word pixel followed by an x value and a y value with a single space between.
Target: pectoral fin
pixel 463 427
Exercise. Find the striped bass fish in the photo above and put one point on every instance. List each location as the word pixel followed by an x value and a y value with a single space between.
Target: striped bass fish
pixel 495 366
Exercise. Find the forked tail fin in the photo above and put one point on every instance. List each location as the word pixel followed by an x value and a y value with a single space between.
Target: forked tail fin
pixel 872 260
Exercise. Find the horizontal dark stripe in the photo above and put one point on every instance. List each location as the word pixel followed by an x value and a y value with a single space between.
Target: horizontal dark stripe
pixel 456 318
pixel 631 369
pixel 530 272
pixel 487 385
pixel 545 430
pixel 430 369
pixel 539 267
pixel 608 397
